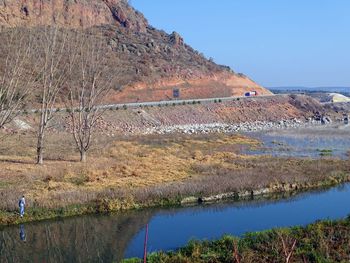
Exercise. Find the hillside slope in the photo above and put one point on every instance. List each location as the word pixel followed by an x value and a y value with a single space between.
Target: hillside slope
pixel 153 62
pixel 153 119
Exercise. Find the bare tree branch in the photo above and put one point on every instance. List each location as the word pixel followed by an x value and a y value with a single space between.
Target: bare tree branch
pixel 93 81
pixel 16 74
pixel 288 249
pixel 52 60
pixel 236 256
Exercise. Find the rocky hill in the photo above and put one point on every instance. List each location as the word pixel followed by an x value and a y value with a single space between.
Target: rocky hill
pixel 153 62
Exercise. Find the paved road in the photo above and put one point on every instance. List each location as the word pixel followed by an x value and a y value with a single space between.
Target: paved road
pixel 181 102
pixel 171 102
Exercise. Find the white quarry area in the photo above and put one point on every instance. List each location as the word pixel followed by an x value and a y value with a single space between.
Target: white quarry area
pixel 336 97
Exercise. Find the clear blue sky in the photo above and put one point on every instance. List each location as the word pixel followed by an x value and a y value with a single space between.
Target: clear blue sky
pixel 275 42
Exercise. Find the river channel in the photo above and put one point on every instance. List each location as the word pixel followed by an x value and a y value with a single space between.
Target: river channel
pixel 109 238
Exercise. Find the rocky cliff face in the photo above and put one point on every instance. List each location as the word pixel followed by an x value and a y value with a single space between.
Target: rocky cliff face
pixel 153 62
pixel 70 13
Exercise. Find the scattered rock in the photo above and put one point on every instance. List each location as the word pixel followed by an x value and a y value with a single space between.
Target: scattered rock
pixel 227 128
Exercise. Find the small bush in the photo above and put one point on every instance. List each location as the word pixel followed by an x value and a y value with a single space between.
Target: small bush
pixel 325 150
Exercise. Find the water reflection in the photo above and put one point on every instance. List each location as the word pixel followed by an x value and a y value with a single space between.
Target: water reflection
pixel 112 237
pixel 22 233
pixel 84 239
pixel 172 229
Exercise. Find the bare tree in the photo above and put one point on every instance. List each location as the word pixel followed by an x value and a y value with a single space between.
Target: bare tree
pixel 52 61
pixel 94 77
pixel 16 75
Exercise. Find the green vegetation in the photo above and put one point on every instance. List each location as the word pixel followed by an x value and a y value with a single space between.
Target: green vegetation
pixel 325 152
pixel 326 241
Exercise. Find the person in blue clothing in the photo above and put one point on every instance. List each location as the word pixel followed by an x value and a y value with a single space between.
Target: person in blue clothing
pixel 22 205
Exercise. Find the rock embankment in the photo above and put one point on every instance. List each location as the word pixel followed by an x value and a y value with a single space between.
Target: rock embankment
pixel 266 191
pixel 229 116
pixel 226 128
pixel 254 114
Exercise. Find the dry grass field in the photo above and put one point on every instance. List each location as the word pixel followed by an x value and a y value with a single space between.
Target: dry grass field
pixel 128 171
pixel 119 164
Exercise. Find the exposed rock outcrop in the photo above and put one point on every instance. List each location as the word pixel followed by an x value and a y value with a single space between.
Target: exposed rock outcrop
pixel 152 62
pixel 68 13
pixel 176 39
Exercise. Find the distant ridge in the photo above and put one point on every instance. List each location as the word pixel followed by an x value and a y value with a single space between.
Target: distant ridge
pixel 301 88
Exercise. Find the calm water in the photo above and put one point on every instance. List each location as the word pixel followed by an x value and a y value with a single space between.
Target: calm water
pixel 305 142
pixel 110 238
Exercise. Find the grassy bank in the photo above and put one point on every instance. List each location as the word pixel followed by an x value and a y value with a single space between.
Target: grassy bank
pixel 326 241
pixel 129 202
pixel 137 172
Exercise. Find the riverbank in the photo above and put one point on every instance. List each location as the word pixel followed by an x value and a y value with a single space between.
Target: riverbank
pixel 148 171
pixel 107 206
pixel 323 241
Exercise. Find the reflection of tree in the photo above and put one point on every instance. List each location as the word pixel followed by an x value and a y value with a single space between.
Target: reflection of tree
pixel 84 239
